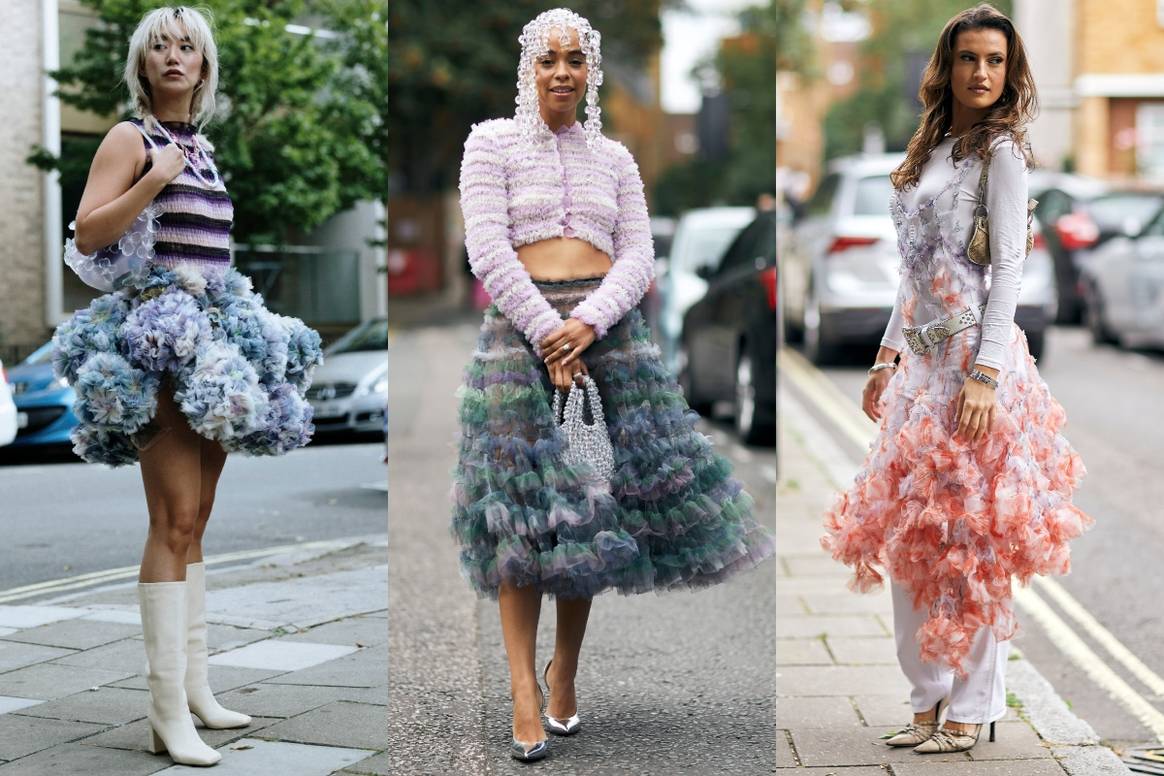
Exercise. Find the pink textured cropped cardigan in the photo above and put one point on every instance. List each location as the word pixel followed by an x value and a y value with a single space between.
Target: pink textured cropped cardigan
pixel 515 192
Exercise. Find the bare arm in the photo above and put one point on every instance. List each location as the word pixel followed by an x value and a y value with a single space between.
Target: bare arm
pixel 112 200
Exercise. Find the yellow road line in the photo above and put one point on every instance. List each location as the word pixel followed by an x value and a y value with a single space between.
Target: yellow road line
pixel 847 415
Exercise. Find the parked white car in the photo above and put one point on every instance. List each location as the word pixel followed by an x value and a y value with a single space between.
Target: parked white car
pixel 7 410
pixel 701 238
pixel 349 392
pixel 840 265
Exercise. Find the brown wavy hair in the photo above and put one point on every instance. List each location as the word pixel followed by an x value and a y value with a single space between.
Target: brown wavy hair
pixel 1015 108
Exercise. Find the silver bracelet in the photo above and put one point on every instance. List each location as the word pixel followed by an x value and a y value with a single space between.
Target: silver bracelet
pixel 882 365
pixel 982 377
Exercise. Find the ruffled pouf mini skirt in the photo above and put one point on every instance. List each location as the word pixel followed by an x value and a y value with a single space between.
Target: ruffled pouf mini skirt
pixel 671 516
pixel 237 371
pixel 952 521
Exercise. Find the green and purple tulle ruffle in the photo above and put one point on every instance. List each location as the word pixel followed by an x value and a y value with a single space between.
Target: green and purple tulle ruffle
pixel 671 516
pixel 237 370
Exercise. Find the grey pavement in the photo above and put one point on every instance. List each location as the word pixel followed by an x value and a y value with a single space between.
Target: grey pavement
pixel 297 640
pixel 839 687
pixel 678 683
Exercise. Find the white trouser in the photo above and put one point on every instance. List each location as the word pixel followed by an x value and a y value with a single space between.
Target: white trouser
pixel 979 698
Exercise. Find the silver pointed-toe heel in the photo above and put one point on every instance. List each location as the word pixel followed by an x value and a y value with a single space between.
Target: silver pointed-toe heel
pixel 528 753
pixel 944 741
pixel 559 727
pixel 916 733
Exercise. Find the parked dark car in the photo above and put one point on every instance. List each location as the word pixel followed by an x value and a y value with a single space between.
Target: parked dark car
pixel 44 403
pixel 728 341
pixel 1079 215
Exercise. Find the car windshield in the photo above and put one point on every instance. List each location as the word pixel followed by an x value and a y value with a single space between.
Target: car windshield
pixel 369 336
pixel 873 196
pixel 704 246
pixel 42 355
pixel 1113 212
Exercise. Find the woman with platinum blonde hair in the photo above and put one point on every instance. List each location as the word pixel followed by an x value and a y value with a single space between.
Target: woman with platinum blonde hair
pixel 969 481
pixel 556 228
pixel 181 363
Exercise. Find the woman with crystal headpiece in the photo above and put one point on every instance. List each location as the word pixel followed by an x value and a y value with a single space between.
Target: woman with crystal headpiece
pixel 556 228
pixel 969 481
pixel 182 363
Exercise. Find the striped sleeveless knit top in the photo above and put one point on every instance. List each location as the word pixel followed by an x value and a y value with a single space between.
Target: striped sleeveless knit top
pixel 195 211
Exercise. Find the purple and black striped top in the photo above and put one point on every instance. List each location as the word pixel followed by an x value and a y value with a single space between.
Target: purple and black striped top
pixel 196 213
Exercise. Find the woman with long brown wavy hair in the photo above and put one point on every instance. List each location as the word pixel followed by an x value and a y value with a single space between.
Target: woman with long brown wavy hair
pixel 969 481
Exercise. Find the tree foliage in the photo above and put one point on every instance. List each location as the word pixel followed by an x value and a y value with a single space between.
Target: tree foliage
pixel 455 64
pixel 746 68
pixel 904 30
pixel 301 131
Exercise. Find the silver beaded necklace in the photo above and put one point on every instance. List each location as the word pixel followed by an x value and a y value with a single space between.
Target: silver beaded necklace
pixel 200 155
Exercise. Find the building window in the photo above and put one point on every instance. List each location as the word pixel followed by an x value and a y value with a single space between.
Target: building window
pixel 1160 12
pixel 1150 140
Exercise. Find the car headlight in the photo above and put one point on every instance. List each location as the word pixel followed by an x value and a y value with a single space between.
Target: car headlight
pixel 60 382
pixel 381 385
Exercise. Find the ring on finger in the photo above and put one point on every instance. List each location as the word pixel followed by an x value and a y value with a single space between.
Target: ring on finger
pixel 566 347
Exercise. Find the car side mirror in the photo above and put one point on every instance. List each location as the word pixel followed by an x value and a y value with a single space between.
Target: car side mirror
pixel 705 271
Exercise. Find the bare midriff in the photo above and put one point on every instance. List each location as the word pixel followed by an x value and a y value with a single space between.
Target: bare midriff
pixel 563 258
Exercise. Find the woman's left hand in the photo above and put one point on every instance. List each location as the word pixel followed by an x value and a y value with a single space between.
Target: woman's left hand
pixel 568 342
pixel 975 409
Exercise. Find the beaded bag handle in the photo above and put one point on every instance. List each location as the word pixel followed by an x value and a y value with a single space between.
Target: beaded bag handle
pixel 586 443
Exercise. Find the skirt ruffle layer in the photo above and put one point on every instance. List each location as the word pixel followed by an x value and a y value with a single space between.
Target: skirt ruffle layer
pixel 953 521
pixel 671 515
pixel 238 371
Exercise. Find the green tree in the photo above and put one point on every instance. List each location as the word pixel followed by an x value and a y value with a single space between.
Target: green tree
pixel 455 63
pixel 904 31
pixel 301 135
pixel 746 67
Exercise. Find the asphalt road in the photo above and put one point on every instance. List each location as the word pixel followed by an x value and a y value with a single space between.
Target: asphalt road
pixel 675 683
pixel 63 519
pixel 1115 421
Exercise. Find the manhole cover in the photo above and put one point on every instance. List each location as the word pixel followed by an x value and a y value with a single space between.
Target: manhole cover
pixel 1145 759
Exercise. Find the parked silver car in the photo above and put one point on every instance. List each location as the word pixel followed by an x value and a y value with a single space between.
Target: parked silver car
pixel 840 266
pixel 1123 288
pixel 350 390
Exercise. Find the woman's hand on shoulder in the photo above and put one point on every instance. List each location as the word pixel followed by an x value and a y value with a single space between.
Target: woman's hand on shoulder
pixel 168 163
pixel 567 342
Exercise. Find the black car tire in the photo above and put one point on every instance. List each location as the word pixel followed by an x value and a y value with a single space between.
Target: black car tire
pixel 1037 342
pixel 702 406
pixel 1093 318
pixel 754 424
pixel 818 348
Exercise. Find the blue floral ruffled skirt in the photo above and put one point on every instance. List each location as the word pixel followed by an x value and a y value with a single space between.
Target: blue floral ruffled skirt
pixel 238 371
pixel 671 516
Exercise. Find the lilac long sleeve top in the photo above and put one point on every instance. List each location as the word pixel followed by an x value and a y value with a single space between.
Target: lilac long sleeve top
pixel 514 193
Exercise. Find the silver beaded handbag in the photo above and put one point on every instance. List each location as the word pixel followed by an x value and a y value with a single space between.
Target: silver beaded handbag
pixel 587 444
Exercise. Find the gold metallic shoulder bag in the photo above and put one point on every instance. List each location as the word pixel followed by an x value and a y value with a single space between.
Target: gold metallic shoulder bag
pixel 978 249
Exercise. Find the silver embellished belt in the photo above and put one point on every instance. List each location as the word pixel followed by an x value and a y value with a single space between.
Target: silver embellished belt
pixel 922 339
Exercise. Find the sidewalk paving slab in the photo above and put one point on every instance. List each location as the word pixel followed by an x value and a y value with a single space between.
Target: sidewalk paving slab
pixel 309 628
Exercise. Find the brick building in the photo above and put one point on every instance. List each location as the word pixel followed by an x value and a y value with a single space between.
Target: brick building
pixel 1099 65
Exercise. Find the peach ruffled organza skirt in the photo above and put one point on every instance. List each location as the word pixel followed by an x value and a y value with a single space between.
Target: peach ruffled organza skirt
pixel 953 521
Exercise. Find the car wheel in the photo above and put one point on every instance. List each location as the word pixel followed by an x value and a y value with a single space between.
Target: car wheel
pixel 1036 342
pixel 818 348
pixel 687 385
pixel 751 427
pixel 1093 318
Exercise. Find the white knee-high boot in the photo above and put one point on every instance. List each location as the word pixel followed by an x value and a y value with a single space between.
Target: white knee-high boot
pixel 198 693
pixel 163 625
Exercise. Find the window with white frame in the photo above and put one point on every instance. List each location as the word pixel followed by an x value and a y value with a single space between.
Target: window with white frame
pixel 1160 12
pixel 1150 140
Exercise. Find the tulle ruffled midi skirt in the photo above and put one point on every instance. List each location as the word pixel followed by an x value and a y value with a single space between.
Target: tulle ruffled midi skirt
pixel 671 515
pixel 238 372
pixel 953 521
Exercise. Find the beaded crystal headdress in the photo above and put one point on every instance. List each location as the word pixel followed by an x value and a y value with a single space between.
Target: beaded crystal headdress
pixel 535 40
